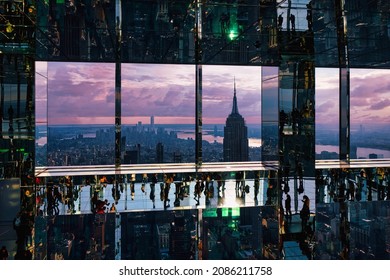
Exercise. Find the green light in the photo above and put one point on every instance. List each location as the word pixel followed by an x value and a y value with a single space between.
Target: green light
pixel 233 212
pixel 210 213
pixel 232 35
pixel 6 150
pixel 225 212
pixel 232 224
pixel 236 212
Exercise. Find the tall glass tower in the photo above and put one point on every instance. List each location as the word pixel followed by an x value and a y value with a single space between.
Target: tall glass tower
pixel 235 141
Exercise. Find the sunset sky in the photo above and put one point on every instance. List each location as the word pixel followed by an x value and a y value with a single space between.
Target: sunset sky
pixel 83 93
pixel 370 96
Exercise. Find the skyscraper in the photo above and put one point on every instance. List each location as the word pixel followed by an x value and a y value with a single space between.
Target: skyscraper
pixel 235 141
pixel 159 153
pixel 152 121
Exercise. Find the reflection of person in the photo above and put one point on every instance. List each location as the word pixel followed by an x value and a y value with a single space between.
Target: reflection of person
pixel 113 208
pixel 300 177
pixel 287 205
pixel 282 121
pixel 257 184
pixel 280 21
pixel 309 16
pixel 144 182
pixel 239 178
pixel 101 206
pixel 132 186
pixel 168 181
pixel 305 211
pixel 153 183
pixel 115 192
pixel 197 191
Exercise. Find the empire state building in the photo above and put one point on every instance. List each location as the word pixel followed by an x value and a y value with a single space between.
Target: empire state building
pixel 235 141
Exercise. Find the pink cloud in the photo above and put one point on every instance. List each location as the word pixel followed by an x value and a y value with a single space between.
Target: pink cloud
pixel 328 106
pixel 382 104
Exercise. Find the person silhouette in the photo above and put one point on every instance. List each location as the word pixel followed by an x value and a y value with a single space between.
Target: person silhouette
pixel 3 253
pixel 280 21
pixel 287 206
pixel 305 211
pixel 292 20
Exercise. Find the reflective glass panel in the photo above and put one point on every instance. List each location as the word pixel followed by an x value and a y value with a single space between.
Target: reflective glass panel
pixel 158 113
pixel 80 114
pixel 231 113
pixel 327 113
pixel 41 84
pixel 269 113
pixel 369 114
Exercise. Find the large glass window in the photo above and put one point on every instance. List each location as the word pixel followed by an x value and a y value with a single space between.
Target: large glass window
pixel 327 113
pixel 269 113
pixel 231 113
pixel 41 113
pixel 370 114
pixel 158 113
pixel 295 15
pixel 80 113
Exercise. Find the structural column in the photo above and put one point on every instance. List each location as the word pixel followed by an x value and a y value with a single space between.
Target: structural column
pixel 198 84
pixel 344 102
pixel 118 78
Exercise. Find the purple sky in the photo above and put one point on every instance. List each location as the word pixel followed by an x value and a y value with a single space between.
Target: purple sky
pixel 83 93
pixel 370 96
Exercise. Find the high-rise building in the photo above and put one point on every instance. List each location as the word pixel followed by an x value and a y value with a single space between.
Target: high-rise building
pixel 159 153
pixel 235 140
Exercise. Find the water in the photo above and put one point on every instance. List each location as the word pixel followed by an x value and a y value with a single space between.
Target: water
pixel 361 152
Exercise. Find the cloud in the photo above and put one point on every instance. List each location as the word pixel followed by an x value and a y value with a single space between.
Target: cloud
pixel 382 104
pixel 328 106
pixel 87 90
pixel 80 90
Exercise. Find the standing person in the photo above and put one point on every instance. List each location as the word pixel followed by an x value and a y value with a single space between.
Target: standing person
pixel 257 184
pixel 3 253
pixel 238 179
pixel 167 187
pixel 112 208
pixel 305 212
pixel 153 183
pixel 292 20
pixel 280 21
pixel 287 205
pixel 132 186
pixel 197 191
pixel 168 180
pixel 309 16
pixel 351 191
pixel 115 192
pixel 144 182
